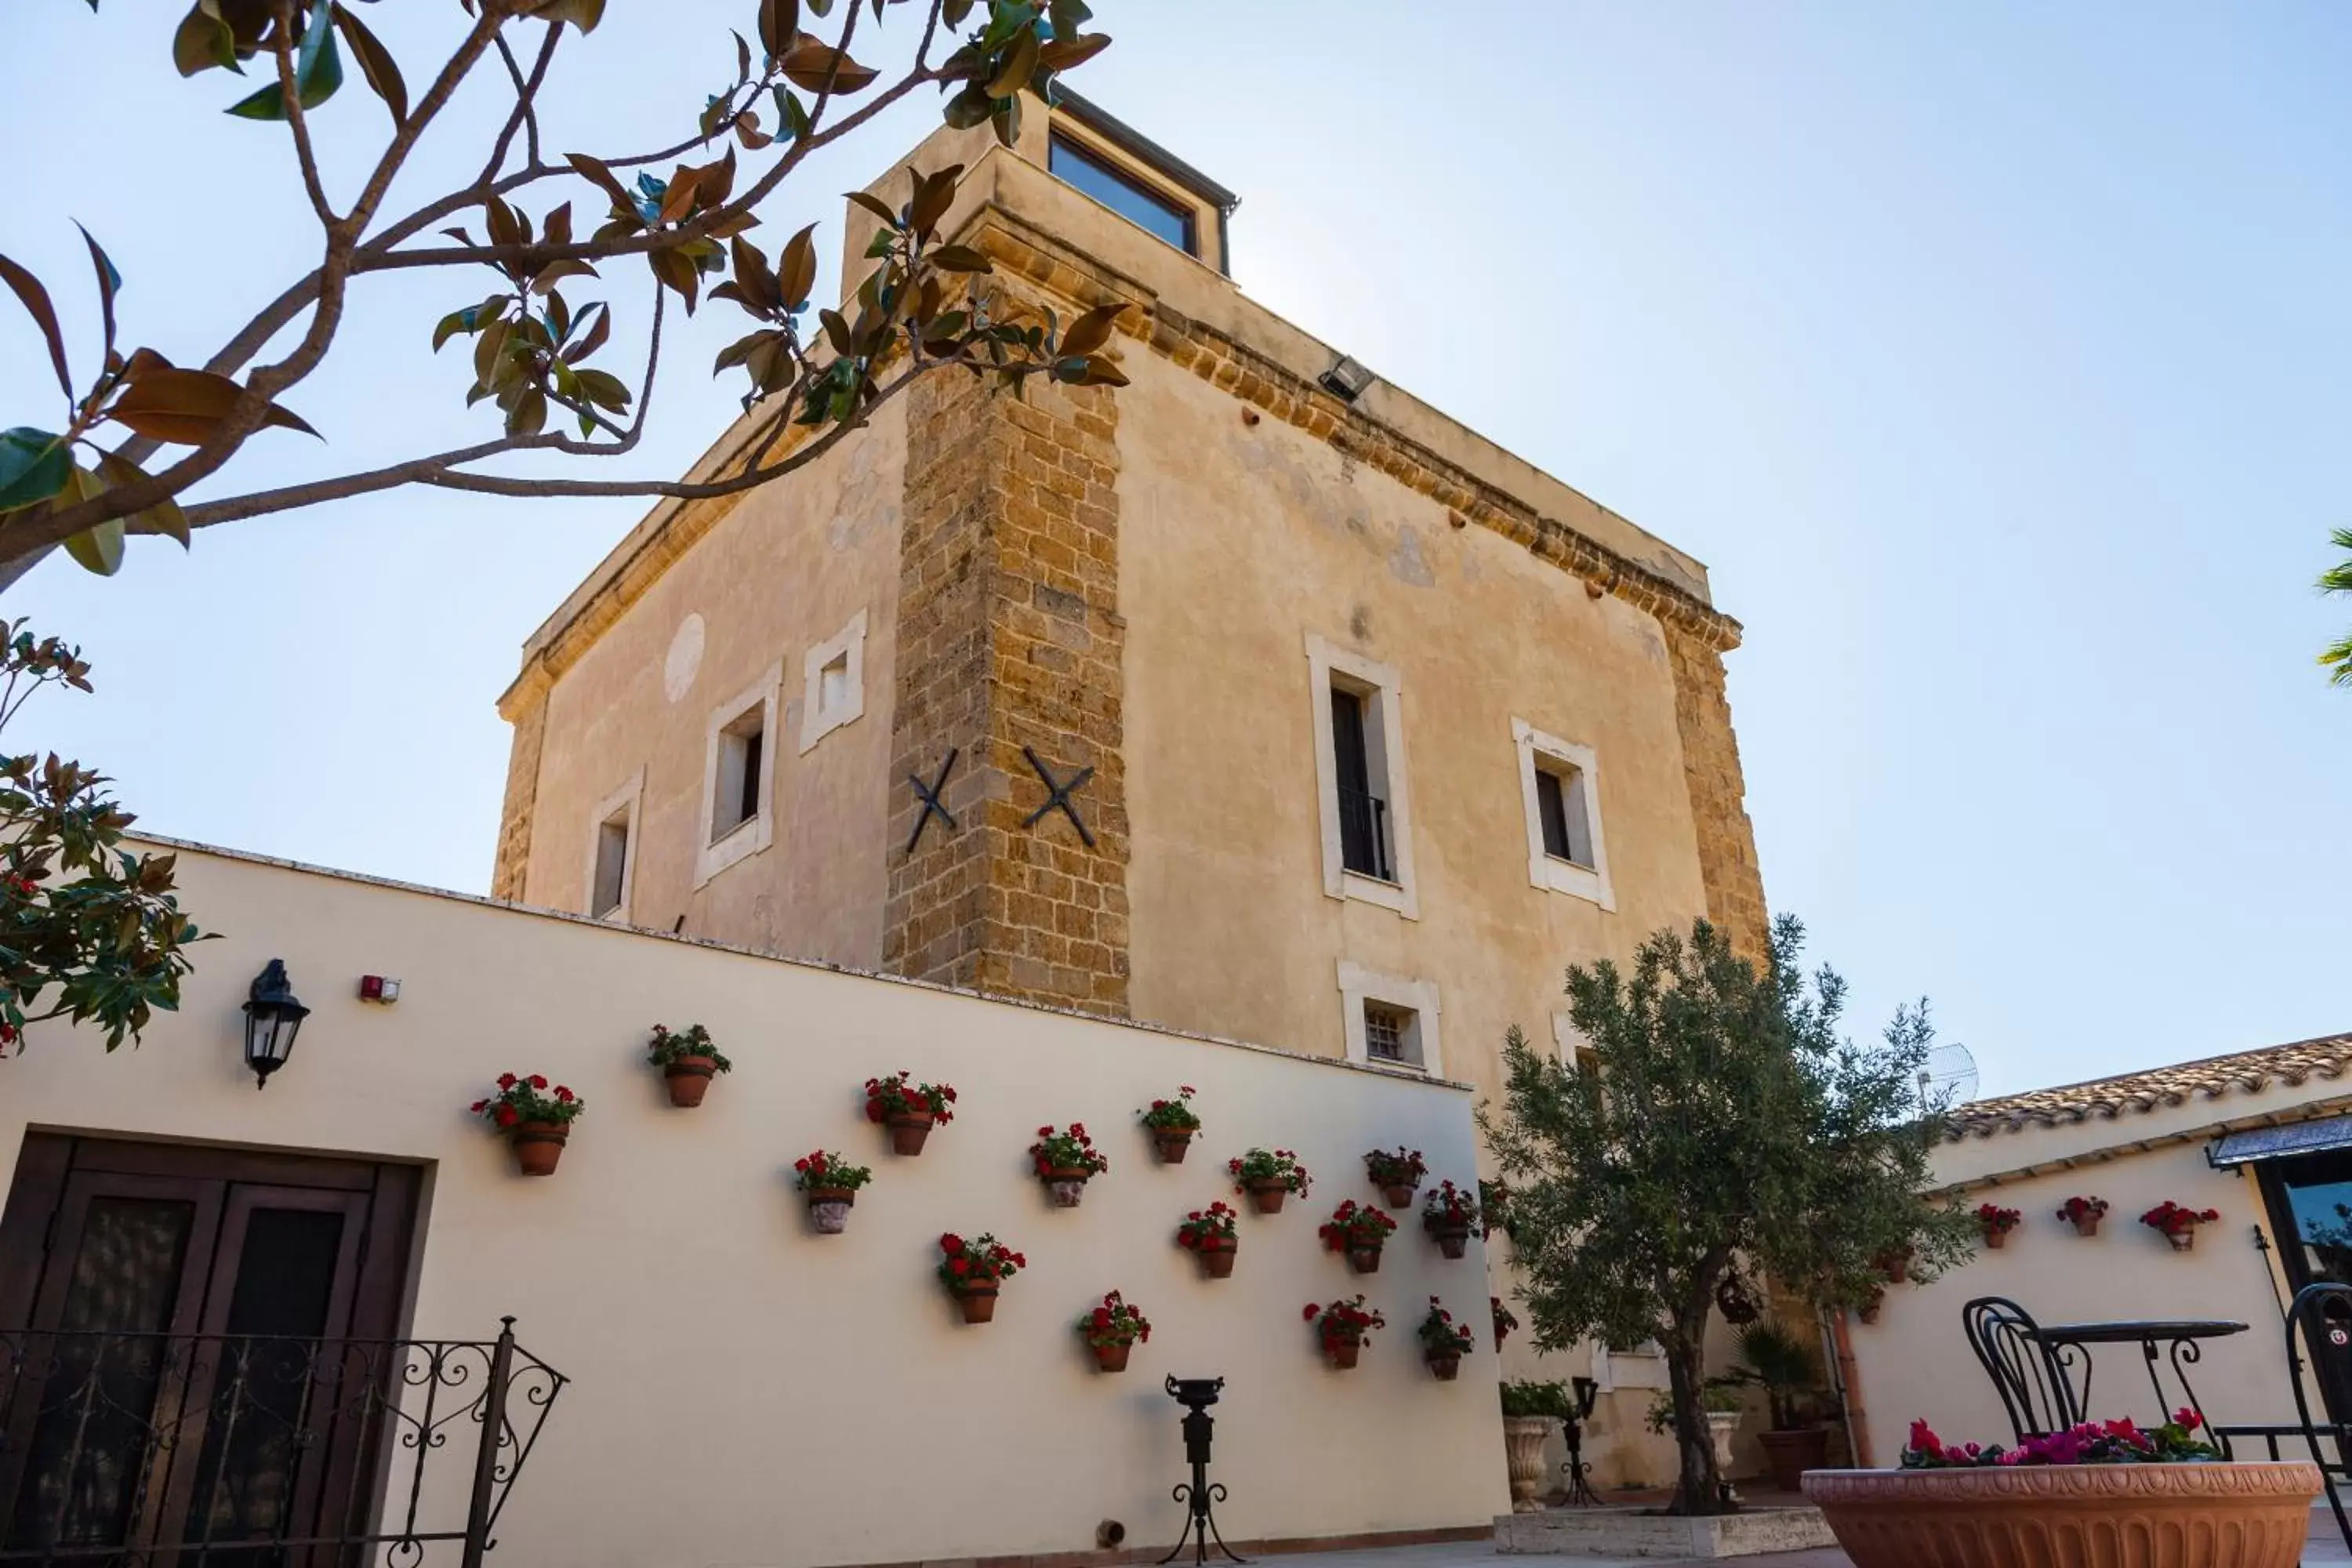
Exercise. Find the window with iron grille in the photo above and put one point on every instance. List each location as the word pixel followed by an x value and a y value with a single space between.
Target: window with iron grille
pixel 1388 1032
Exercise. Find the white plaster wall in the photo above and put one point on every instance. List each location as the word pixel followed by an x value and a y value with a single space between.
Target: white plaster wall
pixel 1913 1362
pixel 747 1393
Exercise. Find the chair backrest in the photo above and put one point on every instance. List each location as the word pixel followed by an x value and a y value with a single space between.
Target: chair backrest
pixel 2028 1376
pixel 2322 1316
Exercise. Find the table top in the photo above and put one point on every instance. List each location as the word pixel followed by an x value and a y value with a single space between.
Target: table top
pixel 2145 1332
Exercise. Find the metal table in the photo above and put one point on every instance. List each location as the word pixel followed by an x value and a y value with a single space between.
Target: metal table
pixel 2174 1342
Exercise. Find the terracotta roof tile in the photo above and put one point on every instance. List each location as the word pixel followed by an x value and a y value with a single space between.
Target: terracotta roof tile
pixel 2108 1099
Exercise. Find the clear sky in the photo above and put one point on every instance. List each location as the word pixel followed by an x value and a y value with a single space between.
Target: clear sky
pixel 1992 356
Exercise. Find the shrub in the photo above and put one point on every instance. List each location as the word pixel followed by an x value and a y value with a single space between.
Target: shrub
pixel 894 1096
pixel 667 1048
pixel 1055 1152
pixel 1353 1225
pixel 1278 1166
pixel 1211 1228
pixel 1172 1115
pixel 1441 1336
pixel 982 1263
pixel 522 1099
pixel 819 1171
pixel 1113 1323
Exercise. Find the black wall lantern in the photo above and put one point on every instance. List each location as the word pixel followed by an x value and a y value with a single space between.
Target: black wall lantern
pixel 272 1018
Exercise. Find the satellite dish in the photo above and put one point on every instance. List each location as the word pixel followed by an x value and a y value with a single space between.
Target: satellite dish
pixel 1949 1078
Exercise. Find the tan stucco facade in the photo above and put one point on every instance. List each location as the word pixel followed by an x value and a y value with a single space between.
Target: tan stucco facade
pixel 742 1390
pixel 1155 583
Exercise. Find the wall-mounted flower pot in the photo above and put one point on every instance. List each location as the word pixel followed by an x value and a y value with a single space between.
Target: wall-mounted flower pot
pixel 689 1079
pixel 1399 1194
pixel 1364 1259
pixel 1445 1368
pixel 538 1145
pixel 1452 1240
pixel 1267 1196
pixel 828 1209
pixel 1112 1358
pixel 1172 1146
pixel 1065 1188
pixel 979 1303
pixel 2182 1240
pixel 1217 1262
pixel 1342 1353
pixel 908 1131
pixel 1995 1238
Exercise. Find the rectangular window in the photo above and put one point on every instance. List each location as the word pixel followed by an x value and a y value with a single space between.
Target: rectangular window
pixel 1386 1030
pixel 833 683
pixel 1559 783
pixel 1363 812
pixel 1123 194
pixel 611 867
pixel 737 797
pixel 1390 1020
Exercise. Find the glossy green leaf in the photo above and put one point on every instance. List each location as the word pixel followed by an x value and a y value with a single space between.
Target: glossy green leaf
pixel 33 466
pixel 318 73
pixel 203 42
pixel 99 549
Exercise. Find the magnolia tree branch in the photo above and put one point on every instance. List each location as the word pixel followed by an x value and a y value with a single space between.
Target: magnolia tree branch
pixel 528 341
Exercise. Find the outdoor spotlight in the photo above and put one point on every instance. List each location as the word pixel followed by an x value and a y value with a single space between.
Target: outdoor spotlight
pixel 273 1017
pixel 1345 380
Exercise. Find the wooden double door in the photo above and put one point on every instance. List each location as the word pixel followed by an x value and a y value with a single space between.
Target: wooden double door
pixel 185 1329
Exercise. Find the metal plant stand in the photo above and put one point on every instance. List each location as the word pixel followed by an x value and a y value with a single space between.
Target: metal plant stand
pixel 1196 1394
pixel 1579 1487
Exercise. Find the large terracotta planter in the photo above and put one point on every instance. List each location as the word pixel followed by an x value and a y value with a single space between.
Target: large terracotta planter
pixel 2213 1515
pixel 979 1303
pixel 828 1209
pixel 1172 1146
pixel 1364 1259
pixel 689 1079
pixel 1112 1358
pixel 1523 1446
pixel 1065 1188
pixel 1791 1453
pixel 907 1132
pixel 538 1145
pixel 1217 1262
pixel 1267 1196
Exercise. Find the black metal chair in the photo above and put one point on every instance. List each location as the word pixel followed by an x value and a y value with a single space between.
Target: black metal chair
pixel 2321 1315
pixel 2028 1374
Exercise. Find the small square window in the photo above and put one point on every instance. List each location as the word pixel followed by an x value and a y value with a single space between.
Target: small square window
pixel 735 797
pixel 832 684
pixel 833 688
pixel 1387 1033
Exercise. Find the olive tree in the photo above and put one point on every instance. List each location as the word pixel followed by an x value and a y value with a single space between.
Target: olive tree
pixel 1725 1124
pixel 2337 579
pixel 544 231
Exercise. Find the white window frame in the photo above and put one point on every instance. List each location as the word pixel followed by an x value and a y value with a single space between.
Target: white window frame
pixel 1379 682
pixel 1569 1043
pixel 818 720
pixel 1358 985
pixel 757 831
pixel 622 803
pixel 1544 869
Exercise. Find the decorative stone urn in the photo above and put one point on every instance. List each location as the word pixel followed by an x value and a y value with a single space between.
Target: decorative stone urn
pixel 2212 1515
pixel 1523 1441
pixel 1722 1426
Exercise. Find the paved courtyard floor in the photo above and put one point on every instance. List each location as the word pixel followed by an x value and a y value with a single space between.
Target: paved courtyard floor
pixel 2326 1546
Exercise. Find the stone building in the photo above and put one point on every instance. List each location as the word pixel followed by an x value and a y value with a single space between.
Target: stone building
pixel 1365 727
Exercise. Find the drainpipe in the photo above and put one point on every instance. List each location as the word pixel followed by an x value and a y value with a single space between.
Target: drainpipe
pixel 1849 1376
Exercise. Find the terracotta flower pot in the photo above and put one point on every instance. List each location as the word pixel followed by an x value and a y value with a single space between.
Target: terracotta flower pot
pixel 1445 1368
pixel 1267 1194
pixel 1065 1188
pixel 689 1079
pixel 538 1145
pixel 908 1131
pixel 1452 1240
pixel 2088 1225
pixel 1364 1259
pixel 1791 1453
pixel 1995 1237
pixel 1172 1146
pixel 2252 1514
pixel 2182 1240
pixel 1112 1358
pixel 828 1209
pixel 1342 1353
pixel 1217 1262
pixel 979 1303
pixel 1870 1311
pixel 1398 1195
